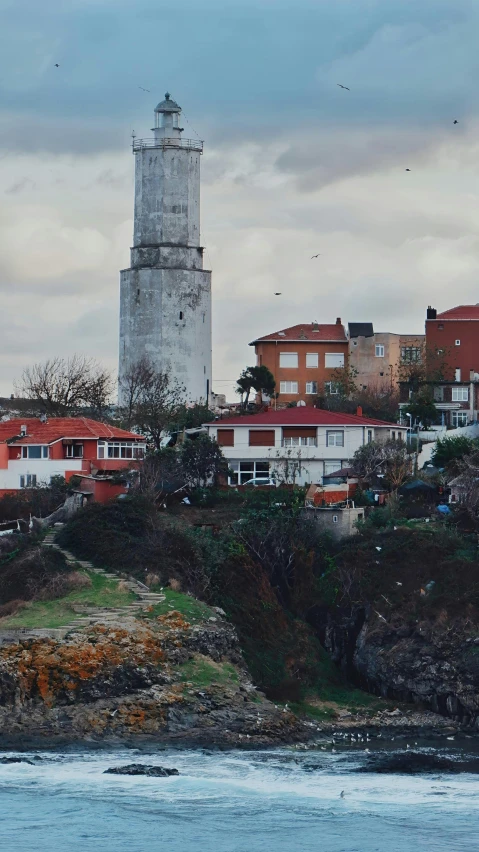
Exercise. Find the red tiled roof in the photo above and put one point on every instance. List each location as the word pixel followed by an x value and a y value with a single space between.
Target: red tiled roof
pixel 300 416
pixel 465 312
pixel 307 331
pixel 61 427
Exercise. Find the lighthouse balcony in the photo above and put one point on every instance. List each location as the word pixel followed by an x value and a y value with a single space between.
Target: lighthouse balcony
pixel 176 142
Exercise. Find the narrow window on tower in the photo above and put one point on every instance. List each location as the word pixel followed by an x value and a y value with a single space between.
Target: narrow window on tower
pixel 181 314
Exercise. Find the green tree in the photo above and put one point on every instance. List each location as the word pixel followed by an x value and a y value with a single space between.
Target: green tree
pixel 259 379
pixel 202 461
pixel 421 407
pixel 452 449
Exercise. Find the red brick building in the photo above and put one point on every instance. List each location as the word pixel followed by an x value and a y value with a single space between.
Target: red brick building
pixel 303 359
pixel 455 333
pixel 32 450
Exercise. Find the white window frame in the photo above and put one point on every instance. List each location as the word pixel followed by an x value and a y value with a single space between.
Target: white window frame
pixel 69 450
pixel 313 388
pixel 379 350
pixel 335 439
pixel 332 388
pixel 288 355
pixel 314 357
pixel 460 395
pixel 334 355
pixel 283 387
pixel 28 480
pixel 26 452
pixel 370 436
pixel 460 418
pixel 106 449
pixel 457 343
pixel 239 476
pixel 331 467
pixel 300 442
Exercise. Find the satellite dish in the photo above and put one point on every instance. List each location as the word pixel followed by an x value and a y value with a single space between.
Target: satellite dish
pixel 301 402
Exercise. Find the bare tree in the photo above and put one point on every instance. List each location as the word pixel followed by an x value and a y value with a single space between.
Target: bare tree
pixel 150 400
pixel 65 387
pixel 389 459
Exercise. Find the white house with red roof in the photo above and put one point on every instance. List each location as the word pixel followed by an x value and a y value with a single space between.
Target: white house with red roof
pixel 32 450
pixel 313 441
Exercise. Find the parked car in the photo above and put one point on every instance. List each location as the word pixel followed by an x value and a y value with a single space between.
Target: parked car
pixel 261 481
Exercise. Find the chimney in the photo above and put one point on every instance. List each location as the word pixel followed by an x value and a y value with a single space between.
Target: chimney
pixel 471 375
pixel 359 411
pixel 338 320
pixel 431 313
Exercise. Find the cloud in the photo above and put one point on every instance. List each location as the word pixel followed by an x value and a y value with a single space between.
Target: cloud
pixel 293 165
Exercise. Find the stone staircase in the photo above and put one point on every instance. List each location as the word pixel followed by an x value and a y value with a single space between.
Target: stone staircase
pixel 104 615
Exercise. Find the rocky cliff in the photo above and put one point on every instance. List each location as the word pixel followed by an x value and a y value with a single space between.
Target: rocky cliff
pixel 162 679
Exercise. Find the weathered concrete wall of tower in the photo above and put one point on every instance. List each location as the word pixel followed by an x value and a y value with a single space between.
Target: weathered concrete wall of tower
pixel 167 197
pixel 165 315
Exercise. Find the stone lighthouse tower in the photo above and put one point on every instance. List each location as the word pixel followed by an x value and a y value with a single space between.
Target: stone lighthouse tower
pixel 165 296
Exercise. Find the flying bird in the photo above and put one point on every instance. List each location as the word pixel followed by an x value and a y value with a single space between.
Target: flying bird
pixel 343 87
pixel 315 255
pixel 342 794
pixel 408 170
pixel 277 294
pixel 144 90
pixel 455 121
pixel 56 65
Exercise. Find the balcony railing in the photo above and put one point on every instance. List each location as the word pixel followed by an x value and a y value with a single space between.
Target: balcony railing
pixel 190 144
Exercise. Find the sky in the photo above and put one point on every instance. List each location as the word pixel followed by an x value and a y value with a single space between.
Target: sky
pixel 293 164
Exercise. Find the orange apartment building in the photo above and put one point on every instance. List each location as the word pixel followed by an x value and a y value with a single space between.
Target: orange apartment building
pixel 303 359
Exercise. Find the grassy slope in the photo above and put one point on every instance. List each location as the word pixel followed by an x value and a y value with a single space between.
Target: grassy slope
pixel 192 609
pixel 56 613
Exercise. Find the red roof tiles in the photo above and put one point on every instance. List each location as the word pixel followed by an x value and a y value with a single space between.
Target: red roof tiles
pixel 461 312
pixel 307 331
pixel 61 427
pixel 301 416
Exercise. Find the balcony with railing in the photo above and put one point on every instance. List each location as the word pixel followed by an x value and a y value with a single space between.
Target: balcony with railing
pixel 167 142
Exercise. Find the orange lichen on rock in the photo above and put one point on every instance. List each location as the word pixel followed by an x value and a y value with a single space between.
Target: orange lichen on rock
pixel 47 668
pixel 174 620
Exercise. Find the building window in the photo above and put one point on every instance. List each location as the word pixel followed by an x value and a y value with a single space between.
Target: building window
pixel 370 436
pixel 379 350
pixel 74 451
pixel 34 452
pixel 335 439
pixel 332 467
pixel 241 472
pixel 457 342
pixel 441 326
pixel 335 519
pixel 225 437
pixel 311 359
pixel 288 359
pixel 288 387
pixel 299 441
pixel 410 354
pixel 334 359
pixel 393 436
pixel 460 394
pixel 261 438
pixel 331 387
pixel 439 394
pixel 29 480
pixel 311 387
pixel 120 450
pixel 459 418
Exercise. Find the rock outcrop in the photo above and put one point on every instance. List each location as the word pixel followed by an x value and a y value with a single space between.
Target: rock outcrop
pixel 159 678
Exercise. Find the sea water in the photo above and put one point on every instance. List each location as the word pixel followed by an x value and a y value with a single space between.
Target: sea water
pixel 258 801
